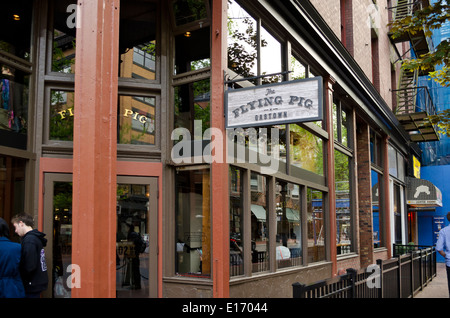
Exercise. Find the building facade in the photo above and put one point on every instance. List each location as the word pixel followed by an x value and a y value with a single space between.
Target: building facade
pixel 114 136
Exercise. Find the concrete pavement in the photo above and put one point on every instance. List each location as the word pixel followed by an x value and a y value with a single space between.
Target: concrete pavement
pixel 438 287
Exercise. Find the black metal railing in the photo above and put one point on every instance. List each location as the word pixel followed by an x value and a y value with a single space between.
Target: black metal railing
pixel 414 99
pixel 400 277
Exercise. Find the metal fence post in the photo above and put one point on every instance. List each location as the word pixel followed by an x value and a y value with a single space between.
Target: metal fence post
pixel 421 269
pixel 399 276
pixel 298 290
pixel 380 266
pixel 351 272
pixel 411 255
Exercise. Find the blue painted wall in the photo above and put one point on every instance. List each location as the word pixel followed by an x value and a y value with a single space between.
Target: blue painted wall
pixel 440 177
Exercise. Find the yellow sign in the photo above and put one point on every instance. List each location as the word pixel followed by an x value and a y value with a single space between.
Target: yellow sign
pixel 416 164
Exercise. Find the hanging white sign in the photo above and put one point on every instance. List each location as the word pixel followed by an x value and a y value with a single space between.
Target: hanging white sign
pixel 279 103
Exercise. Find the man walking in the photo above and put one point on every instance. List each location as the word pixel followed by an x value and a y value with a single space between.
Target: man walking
pixel 33 267
pixel 443 247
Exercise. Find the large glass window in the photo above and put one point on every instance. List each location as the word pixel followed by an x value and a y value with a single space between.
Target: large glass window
pixel 236 221
pixel 398 229
pixel 316 226
pixel 15 47
pixel 377 190
pixel 306 150
pixel 343 203
pixel 259 223
pixel 193 223
pixel 288 237
pixel 376 154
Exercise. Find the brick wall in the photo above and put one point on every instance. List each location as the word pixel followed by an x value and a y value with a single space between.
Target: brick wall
pixel 364 21
pixel 364 195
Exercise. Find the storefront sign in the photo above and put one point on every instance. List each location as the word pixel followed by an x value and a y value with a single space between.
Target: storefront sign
pixel 127 113
pixel 422 193
pixel 416 163
pixel 280 103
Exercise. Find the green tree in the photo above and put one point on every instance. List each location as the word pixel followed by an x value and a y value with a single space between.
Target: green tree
pixel 427 19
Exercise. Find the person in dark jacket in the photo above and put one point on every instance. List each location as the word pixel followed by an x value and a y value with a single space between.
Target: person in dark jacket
pixel 33 268
pixel 10 282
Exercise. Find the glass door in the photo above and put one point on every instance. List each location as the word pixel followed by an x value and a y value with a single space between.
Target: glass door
pixel 136 238
pixel 58 230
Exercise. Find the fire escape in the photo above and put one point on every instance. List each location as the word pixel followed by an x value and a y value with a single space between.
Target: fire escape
pixel 414 103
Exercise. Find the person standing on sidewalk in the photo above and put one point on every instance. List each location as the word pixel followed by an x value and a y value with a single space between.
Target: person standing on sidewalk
pixel 10 282
pixel 33 267
pixel 443 247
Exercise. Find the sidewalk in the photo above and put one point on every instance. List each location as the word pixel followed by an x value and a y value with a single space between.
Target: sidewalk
pixel 437 288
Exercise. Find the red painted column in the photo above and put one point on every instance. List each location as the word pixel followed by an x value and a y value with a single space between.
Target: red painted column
pixel 94 147
pixel 219 169
pixel 330 173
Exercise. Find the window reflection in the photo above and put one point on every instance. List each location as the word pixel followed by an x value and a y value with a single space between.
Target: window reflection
pixel 259 223
pixel 316 229
pixel 14 90
pixel 15 23
pixel 270 57
pixel 397 215
pixel 192 103
pixel 137 120
pixel 61 115
pixel 192 51
pixel 236 222
pixel 188 11
pixel 343 209
pixel 132 256
pixel 193 223
pixel 64 42
pixel 242 54
pixel 376 220
pixel 62 238
pixel 138 49
pixel 306 150
pixel 298 69
pixel 288 239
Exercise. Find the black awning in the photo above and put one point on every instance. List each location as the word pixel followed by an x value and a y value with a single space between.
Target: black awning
pixel 422 193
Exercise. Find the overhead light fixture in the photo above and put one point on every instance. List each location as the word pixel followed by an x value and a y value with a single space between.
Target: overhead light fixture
pixel 16 17
pixel 187 34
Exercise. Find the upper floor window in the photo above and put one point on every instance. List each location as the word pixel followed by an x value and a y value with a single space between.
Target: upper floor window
pixel 252 49
pixel 341 124
pixel 376 154
pixel 396 163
